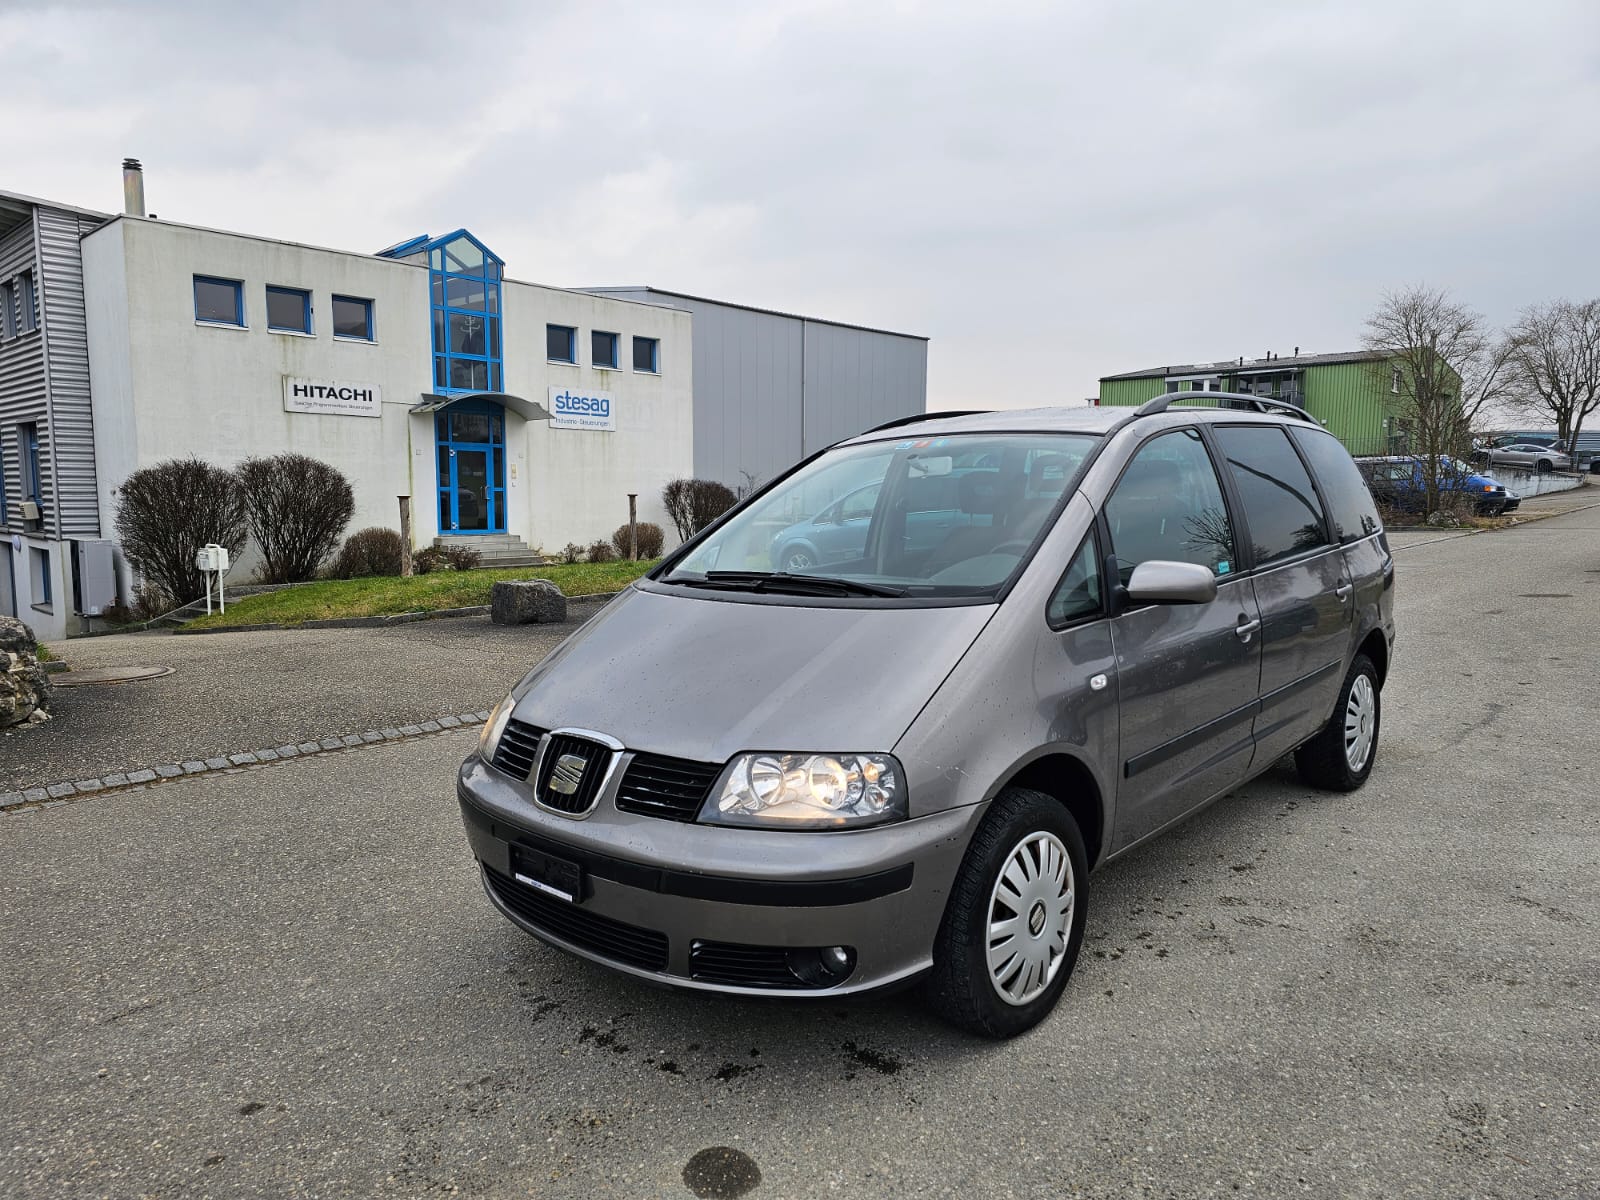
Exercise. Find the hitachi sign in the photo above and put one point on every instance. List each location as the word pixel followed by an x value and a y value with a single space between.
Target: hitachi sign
pixel 332 398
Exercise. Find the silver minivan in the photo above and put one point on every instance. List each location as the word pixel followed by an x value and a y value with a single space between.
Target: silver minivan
pixel 902 765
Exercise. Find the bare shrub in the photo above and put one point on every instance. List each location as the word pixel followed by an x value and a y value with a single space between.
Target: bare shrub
pixel 166 512
pixel 651 539
pixel 600 552
pixel 692 504
pixel 445 558
pixel 571 553
pixel 374 551
pixel 297 507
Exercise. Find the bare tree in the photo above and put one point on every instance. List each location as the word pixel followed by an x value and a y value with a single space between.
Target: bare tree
pixel 1555 361
pixel 166 512
pixel 1440 361
pixel 297 508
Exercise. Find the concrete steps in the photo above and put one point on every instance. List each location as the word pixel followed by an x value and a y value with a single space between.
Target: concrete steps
pixel 495 549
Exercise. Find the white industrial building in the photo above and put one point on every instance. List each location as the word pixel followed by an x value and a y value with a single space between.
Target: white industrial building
pixel 516 415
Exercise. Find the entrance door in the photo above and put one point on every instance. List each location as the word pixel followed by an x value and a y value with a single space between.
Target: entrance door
pixel 472 467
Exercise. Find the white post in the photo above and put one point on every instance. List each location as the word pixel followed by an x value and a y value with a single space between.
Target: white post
pixel 208 593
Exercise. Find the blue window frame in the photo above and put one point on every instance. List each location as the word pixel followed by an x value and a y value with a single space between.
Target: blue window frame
pixel 288 310
pixel 30 303
pixel 352 318
pixel 470 441
pixel 464 280
pixel 218 301
pixel 647 355
pixel 603 349
pixel 561 343
pixel 28 443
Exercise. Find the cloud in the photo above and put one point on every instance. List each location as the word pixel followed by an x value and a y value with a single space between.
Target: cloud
pixel 1050 192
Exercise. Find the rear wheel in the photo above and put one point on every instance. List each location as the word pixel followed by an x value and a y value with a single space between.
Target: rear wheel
pixel 1014 923
pixel 1546 466
pixel 797 558
pixel 1340 758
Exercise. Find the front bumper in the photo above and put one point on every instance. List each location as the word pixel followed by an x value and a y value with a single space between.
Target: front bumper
pixel 716 909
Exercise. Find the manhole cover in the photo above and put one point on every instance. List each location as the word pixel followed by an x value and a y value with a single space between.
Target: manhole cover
pixel 98 675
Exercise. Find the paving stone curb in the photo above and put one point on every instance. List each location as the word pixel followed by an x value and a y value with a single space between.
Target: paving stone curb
pixel 49 795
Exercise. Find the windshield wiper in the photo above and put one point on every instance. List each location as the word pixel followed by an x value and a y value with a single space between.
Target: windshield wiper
pixel 797 585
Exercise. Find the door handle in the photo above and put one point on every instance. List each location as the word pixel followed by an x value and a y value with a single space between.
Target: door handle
pixel 1246 629
pixel 1343 591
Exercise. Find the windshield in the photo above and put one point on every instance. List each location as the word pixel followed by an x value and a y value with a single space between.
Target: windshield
pixel 949 516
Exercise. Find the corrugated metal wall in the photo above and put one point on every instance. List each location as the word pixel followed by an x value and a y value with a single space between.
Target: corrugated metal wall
pixel 1129 392
pixel 66 332
pixel 1352 400
pixel 769 388
pixel 22 382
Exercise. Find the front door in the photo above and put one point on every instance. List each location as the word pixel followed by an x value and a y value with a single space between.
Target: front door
pixel 472 467
pixel 1187 674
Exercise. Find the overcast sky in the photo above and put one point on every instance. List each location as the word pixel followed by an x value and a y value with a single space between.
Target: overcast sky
pixel 1051 192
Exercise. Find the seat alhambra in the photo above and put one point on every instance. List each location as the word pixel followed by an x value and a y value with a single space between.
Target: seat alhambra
pixel 901 762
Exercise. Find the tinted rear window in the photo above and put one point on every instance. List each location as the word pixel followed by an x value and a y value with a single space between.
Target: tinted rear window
pixel 1280 503
pixel 1354 516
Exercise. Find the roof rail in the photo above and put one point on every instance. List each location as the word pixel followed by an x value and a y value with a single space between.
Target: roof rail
pixel 926 416
pixel 1261 404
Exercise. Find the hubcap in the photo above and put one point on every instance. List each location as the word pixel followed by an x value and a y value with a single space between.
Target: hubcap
pixel 798 560
pixel 1360 722
pixel 1030 915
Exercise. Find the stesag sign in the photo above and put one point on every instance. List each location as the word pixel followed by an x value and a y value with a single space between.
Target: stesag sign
pixel 571 409
pixel 332 399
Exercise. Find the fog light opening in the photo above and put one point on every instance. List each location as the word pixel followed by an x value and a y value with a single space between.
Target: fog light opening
pixel 822 966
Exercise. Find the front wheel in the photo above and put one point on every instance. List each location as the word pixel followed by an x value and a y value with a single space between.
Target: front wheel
pixel 1340 758
pixel 1014 923
pixel 795 559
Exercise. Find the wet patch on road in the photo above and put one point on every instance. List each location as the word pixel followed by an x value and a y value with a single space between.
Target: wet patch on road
pixel 721 1173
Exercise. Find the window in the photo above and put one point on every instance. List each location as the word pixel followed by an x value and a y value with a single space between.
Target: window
pixel 1394 380
pixel 28 446
pixel 1354 516
pixel 1280 503
pixel 1168 505
pixel 218 301
pixel 561 343
pixel 8 310
pixel 40 562
pixel 647 354
pixel 1078 594
pixel 352 318
pixel 603 349
pixel 464 279
pixel 30 302
pixel 288 310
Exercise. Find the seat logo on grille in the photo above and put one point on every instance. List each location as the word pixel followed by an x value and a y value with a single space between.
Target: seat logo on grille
pixel 567 774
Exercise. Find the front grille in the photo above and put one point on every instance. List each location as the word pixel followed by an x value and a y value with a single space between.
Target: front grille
pixel 658 786
pixel 578 762
pixel 600 935
pixel 519 745
pixel 743 966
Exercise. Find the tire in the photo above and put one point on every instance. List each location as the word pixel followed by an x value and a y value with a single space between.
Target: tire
pixel 796 558
pixel 962 988
pixel 1325 761
pixel 1546 466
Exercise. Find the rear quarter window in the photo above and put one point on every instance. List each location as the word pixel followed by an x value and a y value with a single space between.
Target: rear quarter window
pixel 1350 503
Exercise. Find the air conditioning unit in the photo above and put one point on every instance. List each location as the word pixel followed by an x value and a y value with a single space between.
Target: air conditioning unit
pixel 30 510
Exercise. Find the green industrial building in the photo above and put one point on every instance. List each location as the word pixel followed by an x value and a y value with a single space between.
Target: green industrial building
pixel 1353 394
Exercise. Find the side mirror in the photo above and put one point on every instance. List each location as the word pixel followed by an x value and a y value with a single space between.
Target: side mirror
pixel 1160 582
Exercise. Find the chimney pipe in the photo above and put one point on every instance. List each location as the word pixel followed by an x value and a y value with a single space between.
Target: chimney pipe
pixel 132 187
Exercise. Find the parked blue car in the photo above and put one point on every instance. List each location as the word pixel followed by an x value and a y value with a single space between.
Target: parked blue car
pixel 839 532
pixel 1396 480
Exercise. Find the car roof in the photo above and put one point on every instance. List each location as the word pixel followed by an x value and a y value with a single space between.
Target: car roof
pixel 1093 419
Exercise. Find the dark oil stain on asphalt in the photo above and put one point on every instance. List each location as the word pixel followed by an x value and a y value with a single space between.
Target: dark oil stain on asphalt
pixel 250 1108
pixel 732 1071
pixel 883 1064
pixel 721 1173
pixel 670 1067
pixel 607 1040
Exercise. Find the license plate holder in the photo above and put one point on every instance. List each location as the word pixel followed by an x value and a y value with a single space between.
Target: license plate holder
pixel 548 874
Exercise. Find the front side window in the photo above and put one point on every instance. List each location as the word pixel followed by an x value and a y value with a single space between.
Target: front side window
pixel 602 349
pixel 561 343
pixel 953 516
pixel 352 318
pixel 1077 596
pixel 288 310
pixel 1354 514
pixel 1168 506
pixel 218 301
pixel 647 354
pixel 1280 503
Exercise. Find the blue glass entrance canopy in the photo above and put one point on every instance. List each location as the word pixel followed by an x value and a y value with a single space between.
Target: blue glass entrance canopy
pixel 464 278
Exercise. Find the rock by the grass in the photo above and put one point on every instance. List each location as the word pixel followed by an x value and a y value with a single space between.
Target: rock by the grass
pixel 526 602
pixel 24 687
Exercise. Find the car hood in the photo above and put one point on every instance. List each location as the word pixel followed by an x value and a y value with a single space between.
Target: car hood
pixel 1481 481
pixel 703 676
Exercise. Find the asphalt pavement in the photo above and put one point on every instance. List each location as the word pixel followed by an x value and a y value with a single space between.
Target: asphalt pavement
pixel 285 982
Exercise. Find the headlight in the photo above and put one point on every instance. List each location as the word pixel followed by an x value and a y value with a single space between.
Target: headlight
pixel 808 791
pixel 489 737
